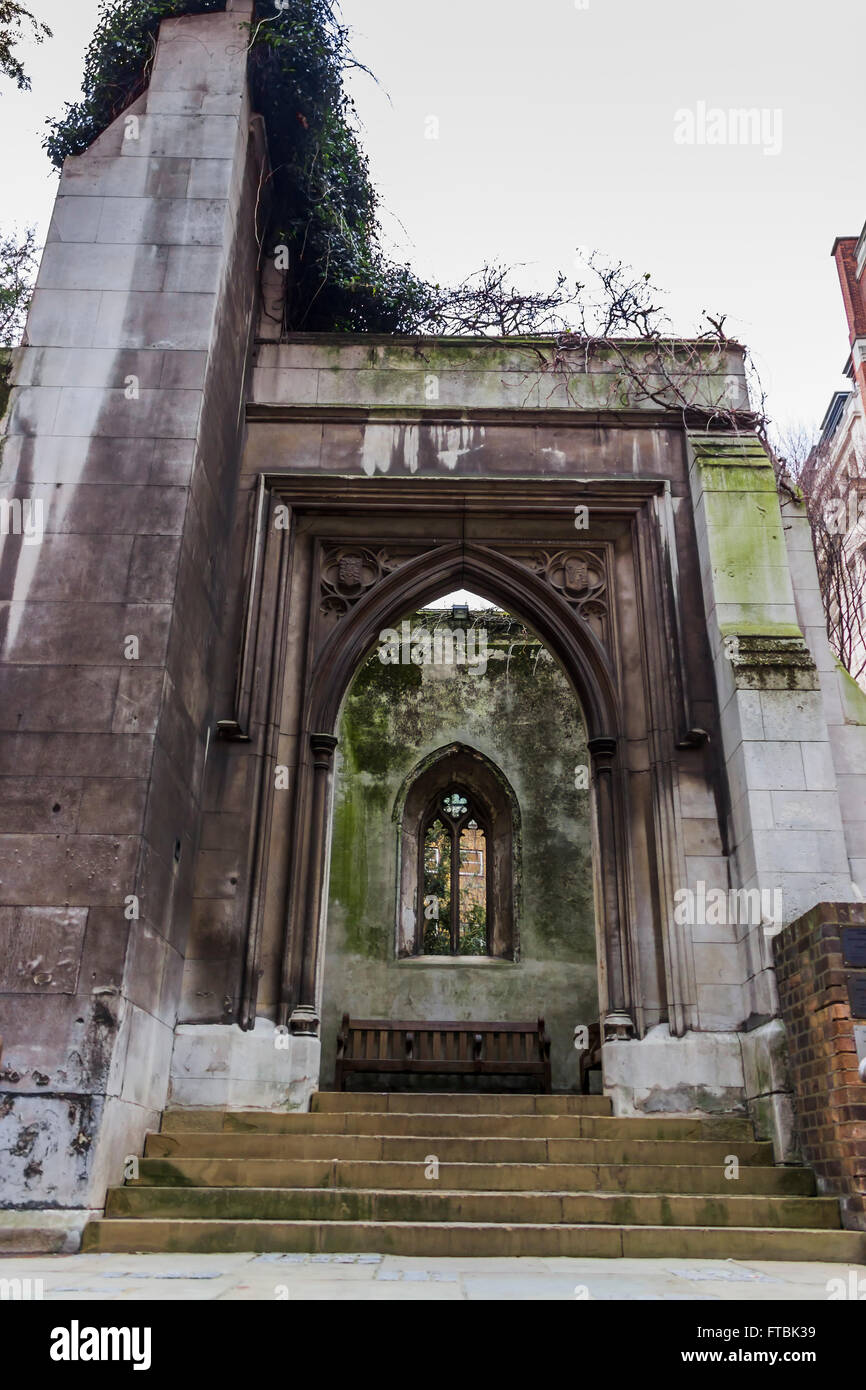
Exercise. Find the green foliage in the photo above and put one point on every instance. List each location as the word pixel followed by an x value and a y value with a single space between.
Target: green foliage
pixel 116 65
pixel 5 388
pixel 14 20
pixel 437 884
pixel 323 228
pixel 473 930
pixel 17 274
pixel 323 204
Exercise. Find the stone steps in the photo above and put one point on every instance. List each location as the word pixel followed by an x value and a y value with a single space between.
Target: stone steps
pixel 450 1125
pixel 462 1239
pixel 409 1149
pixel 517 1175
pixel 472 1177
pixel 512 1207
pixel 343 1102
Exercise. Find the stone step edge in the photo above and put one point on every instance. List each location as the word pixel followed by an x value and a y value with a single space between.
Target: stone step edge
pixel 837 1245
pixel 606 1195
pixel 465 1165
pixel 709 1121
pixel 646 1158
pixel 288 1133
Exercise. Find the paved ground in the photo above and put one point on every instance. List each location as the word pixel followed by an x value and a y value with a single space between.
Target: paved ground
pixel 374 1277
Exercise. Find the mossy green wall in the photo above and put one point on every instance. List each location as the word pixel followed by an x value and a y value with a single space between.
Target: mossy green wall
pixel 523 715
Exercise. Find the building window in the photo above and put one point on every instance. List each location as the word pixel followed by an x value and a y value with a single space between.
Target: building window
pixel 453 877
pixel 458 837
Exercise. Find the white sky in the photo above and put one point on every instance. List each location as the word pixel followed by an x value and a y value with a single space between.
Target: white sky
pixel 556 131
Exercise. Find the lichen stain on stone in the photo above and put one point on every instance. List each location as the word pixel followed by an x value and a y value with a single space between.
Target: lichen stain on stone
pixel 99 1036
pixel 407 446
pixel 690 1099
pixel 522 714
pixel 24 1144
pixel 452 443
pixel 377 450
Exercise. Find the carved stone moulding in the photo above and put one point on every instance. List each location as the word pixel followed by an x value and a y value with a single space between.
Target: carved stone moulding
pixel 349 570
pixel 579 574
pixel 771 661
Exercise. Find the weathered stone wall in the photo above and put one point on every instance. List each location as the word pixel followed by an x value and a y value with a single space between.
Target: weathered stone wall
pixel 784 822
pixel 829 1097
pixel 125 423
pixel 522 714
pixel 454 409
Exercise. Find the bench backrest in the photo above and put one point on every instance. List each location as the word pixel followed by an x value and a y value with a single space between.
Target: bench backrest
pixel 383 1040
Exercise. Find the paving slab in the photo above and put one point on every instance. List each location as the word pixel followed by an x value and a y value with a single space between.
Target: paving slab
pixel 377 1278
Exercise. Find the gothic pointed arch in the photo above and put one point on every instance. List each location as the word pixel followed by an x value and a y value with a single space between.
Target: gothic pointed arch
pixel 355 592
pixel 458 771
pixel 495 576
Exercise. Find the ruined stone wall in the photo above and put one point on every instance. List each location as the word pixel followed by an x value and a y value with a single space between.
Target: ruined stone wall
pixel 132 835
pixel 521 714
pixel 124 424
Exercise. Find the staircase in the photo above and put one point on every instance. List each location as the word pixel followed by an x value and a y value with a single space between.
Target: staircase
pixel 517 1175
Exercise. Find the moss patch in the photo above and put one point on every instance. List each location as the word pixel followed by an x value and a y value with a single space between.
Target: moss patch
pixel 522 714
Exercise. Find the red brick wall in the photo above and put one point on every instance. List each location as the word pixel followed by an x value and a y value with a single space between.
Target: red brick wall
pixel 853 290
pixel 829 1098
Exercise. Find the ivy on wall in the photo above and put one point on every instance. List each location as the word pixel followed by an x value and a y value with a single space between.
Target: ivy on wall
pixel 324 208
pixel 323 228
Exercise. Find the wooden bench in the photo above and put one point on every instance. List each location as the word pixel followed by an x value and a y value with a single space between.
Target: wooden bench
pixel 379 1046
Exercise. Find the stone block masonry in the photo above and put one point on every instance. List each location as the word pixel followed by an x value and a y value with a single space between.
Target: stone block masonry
pixel 218 529
pixel 124 420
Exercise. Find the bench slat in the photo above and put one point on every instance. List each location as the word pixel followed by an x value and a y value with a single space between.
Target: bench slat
pixel 380 1045
pixel 459 1025
pixel 515 1068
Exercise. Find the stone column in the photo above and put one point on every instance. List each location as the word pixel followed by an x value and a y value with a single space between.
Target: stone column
pixel 618 1020
pixel 305 1015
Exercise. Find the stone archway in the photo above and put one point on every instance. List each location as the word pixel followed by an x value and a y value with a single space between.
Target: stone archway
pixel 502 579
pixel 336 561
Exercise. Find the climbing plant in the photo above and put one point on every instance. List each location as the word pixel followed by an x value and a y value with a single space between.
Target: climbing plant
pixel 322 232
pixel 323 203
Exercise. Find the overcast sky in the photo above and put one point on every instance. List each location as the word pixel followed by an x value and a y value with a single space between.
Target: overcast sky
pixel 569 124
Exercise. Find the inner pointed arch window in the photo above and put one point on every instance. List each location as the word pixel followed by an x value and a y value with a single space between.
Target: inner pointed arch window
pixel 454 877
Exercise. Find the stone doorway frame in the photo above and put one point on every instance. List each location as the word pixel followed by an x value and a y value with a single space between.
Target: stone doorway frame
pixel 332 561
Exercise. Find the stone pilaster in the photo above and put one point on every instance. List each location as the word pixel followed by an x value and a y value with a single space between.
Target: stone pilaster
pixel 785 829
pixel 124 427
